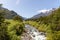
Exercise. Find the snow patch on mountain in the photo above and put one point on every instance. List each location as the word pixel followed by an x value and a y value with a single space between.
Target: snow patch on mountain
pixel 43 11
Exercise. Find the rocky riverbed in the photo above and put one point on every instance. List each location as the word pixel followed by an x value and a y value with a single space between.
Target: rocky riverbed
pixel 32 34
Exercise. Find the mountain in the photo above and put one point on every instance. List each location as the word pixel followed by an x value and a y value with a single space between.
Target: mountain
pixel 10 14
pixel 45 13
pixel 24 18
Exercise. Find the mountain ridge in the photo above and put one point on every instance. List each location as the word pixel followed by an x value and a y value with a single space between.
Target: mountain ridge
pixel 10 14
pixel 43 14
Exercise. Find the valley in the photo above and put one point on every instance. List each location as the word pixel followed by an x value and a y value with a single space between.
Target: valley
pixel 43 26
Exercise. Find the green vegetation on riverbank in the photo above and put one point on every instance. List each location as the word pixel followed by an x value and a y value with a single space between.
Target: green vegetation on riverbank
pixel 10 29
pixel 49 24
pixel 15 29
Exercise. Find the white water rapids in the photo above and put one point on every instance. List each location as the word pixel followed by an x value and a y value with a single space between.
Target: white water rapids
pixel 34 33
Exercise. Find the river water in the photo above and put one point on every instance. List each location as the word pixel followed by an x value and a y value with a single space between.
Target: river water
pixel 34 33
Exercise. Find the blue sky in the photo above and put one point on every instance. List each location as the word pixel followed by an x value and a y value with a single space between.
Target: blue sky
pixel 28 8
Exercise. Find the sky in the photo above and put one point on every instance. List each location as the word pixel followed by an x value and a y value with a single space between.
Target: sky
pixel 29 8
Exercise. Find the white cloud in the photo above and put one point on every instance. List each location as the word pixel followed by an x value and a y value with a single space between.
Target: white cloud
pixel 17 2
pixel 44 10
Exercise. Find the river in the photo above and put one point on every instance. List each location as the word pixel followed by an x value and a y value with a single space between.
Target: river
pixel 33 34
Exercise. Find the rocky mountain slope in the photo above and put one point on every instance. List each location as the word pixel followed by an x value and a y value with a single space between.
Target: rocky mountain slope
pixel 43 14
pixel 10 14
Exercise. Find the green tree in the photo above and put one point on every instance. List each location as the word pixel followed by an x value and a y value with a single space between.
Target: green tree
pixel 18 18
pixel 19 29
pixel 3 27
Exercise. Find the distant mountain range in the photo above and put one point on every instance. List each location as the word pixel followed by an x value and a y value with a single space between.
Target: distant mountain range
pixel 42 14
pixel 10 14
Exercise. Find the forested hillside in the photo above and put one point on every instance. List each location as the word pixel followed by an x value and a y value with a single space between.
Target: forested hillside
pixel 11 25
pixel 49 24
